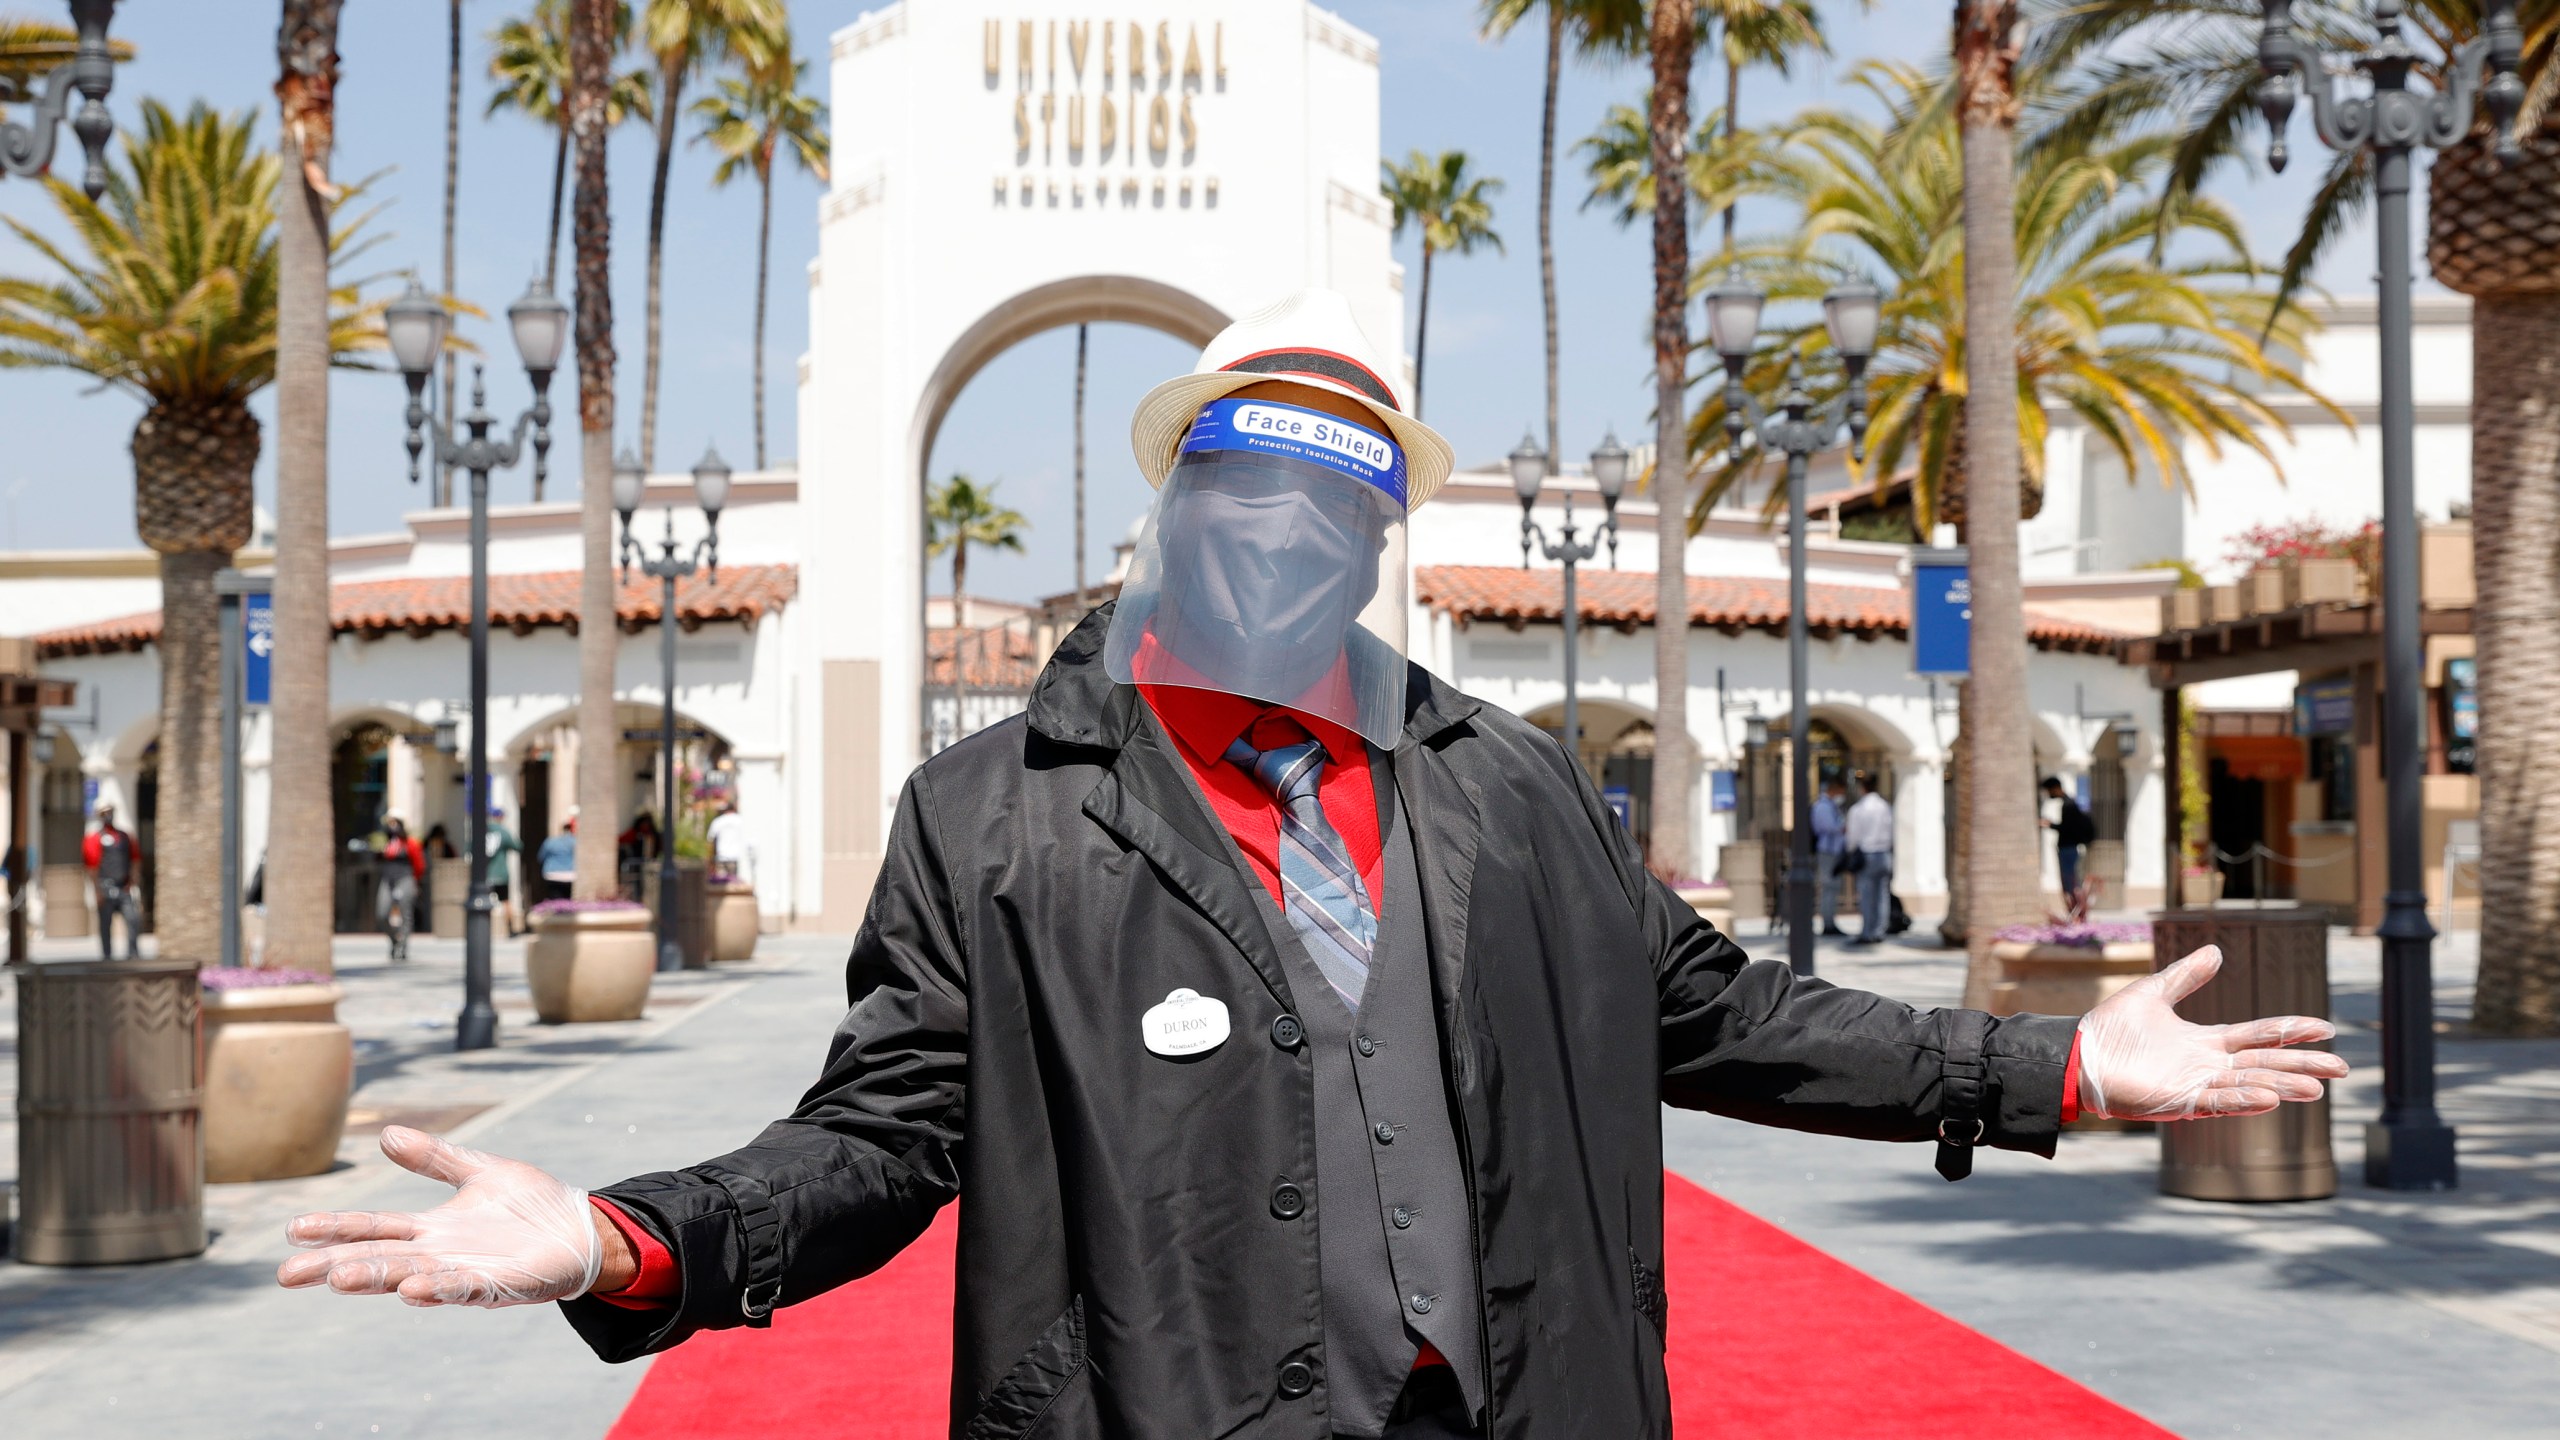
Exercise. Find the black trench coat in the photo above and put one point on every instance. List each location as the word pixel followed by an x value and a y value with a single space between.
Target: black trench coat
pixel 1122 1272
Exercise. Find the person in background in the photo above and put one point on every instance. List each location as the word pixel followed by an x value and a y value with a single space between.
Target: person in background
pixel 558 861
pixel 439 845
pixel 728 843
pixel 395 898
pixel 115 870
pixel 1869 832
pixel 499 855
pixel 2072 831
pixel 1830 831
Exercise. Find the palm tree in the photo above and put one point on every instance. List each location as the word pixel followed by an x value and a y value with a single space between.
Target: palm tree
pixel 681 36
pixel 592 46
pixel 1758 32
pixel 1673 39
pixel 1454 212
pixel 301 898
pixel 175 304
pixel 452 177
pixel 1596 27
pixel 529 58
pixel 959 513
pixel 2489 229
pixel 749 121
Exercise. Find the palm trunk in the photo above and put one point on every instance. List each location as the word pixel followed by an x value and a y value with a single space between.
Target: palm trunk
pixel 301 827
pixel 1080 358
pixel 452 172
pixel 1732 126
pixel 2000 846
pixel 959 593
pixel 599 638
pixel 764 259
pixel 559 187
pixel 2515 528
pixel 674 88
pixel 1546 221
pixel 1674 43
pixel 1422 328
pixel 1952 930
pixel 192 497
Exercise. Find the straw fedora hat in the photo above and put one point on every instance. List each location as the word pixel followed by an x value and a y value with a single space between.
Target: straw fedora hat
pixel 1307 339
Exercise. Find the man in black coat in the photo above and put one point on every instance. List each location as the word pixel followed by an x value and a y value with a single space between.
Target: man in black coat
pixel 1295 1024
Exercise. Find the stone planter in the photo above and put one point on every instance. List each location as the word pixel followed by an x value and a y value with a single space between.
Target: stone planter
pixel 2324 580
pixel 2262 590
pixel 66 902
pixel 2200 889
pixel 590 965
pixel 1714 904
pixel 2067 980
pixel 2181 609
pixel 2224 604
pixel 733 921
pixel 278 1068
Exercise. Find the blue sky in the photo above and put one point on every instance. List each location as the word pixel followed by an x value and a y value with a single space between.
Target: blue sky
pixel 65 479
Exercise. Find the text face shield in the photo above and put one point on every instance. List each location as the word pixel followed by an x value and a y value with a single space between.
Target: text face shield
pixel 1273 568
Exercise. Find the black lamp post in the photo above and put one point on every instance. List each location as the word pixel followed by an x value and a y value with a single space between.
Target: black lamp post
pixel 2409 1147
pixel 1851 314
pixel 710 491
pixel 416 324
pixel 27 150
pixel 1609 472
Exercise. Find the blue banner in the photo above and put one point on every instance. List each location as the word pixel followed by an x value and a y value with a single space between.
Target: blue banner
pixel 258 646
pixel 1264 427
pixel 2324 707
pixel 1720 791
pixel 1941 617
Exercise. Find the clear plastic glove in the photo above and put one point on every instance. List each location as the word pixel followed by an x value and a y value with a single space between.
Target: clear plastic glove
pixel 2139 1061
pixel 511 1235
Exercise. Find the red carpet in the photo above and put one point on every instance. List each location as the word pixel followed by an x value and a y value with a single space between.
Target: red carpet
pixel 1770 1340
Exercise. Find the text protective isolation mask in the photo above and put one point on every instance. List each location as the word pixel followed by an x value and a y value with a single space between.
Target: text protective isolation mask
pixel 1272 567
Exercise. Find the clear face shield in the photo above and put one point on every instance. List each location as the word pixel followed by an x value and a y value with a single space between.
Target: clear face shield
pixel 1273 568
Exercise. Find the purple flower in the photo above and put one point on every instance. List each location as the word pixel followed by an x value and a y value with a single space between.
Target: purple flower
pixel 2090 936
pixel 238 977
pixel 584 907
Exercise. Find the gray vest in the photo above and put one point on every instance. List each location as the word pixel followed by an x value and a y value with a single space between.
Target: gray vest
pixel 1393 1232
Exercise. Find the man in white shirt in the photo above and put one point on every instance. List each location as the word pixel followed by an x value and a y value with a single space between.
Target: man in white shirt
pixel 1870 838
pixel 728 843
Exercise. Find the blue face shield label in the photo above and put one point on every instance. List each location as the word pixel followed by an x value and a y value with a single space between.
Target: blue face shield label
pixel 1263 427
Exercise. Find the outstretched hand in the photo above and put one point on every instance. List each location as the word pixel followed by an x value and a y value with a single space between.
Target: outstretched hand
pixel 2139 1061
pixel 511 1235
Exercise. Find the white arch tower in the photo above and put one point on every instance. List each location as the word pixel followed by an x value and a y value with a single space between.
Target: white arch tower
pixel 1004 167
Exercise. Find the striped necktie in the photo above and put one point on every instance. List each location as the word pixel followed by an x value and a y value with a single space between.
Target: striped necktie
pixel 1320 887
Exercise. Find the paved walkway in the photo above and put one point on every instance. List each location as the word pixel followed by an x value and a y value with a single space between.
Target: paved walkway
pixel 2367 1315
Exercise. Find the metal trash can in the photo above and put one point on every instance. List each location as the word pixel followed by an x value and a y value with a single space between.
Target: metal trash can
pixel 110 1136
pixel 448 893
pixel 2275 961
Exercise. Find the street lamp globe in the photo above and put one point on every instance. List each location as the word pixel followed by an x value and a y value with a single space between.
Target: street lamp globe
pixel 711 481
pixel 541 325
pixel 415 324
pixel 1528 468
pixel 1733 317
pixel 630 483
pixel 1609 467
pixel 1852 313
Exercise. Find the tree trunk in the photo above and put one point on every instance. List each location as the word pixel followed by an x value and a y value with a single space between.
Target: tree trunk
pixel 1547 223
pixel 1999 771
pixel 764 265
pixel 1952 930
pixel 599 638
pixel 1674 42
pixel 559 187
pixel 959 591
pixel 301 826
pixel 1421 327
pixel 674 88
pixel 1732 126
pixel 192 498
pixel 452 173
pixel 1080 358
pixel 2515 529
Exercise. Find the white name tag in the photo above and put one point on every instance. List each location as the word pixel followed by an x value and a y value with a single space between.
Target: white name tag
pixel 1187 1023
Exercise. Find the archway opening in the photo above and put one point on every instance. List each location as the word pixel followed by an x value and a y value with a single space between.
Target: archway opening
pixel 541 766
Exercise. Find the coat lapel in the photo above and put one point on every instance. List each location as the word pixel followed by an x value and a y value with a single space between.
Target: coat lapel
pixel 1148 802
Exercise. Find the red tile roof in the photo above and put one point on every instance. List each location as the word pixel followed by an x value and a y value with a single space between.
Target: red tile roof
pixel 1625 599
pixel 997 657
pixel 520 603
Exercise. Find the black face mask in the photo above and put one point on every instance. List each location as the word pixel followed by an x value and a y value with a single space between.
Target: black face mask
pixel 1266 567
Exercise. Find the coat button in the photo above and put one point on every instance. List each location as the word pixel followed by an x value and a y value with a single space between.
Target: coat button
pixel 1286 1032
pixel 1288 1201
pixel 1403 1218
pixel 1385 1132
pixel 1421 1304
pixel 1296 1380
pixel 1366 1045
